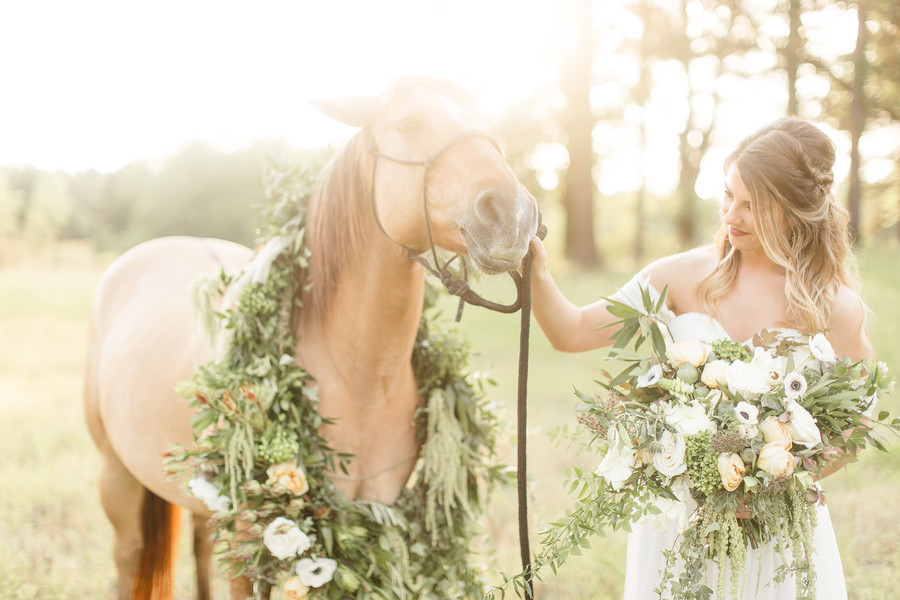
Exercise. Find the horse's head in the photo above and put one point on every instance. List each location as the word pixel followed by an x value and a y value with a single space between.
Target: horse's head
pixel 433 169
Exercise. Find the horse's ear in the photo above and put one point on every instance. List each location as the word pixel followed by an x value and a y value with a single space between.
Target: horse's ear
pixel 355 111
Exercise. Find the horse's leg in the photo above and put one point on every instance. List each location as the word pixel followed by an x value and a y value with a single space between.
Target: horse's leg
pixel 121 495
pixel 202 552
pixel 242 589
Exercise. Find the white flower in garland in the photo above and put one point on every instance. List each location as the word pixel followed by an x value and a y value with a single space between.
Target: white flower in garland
pixel 653 375
pixel 316 573
pixel 211 496
pixel 821 348
pixel 794 385
pixel 284 539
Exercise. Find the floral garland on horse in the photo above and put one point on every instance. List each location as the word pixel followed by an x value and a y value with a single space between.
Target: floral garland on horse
pixel 262 467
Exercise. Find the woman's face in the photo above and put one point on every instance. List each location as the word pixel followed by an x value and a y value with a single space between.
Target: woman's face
pixel 736 212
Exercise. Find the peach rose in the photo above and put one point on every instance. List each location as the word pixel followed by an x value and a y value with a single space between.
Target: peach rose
pixel 688 352
pixel 289 475
pixel 774 431
pixel 294 589
pixel 731 470
pixel 775 460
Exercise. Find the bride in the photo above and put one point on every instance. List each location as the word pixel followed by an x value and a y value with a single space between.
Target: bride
pixel 781 259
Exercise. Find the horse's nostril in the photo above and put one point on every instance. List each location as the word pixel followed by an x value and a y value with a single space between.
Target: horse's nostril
pixel 489 207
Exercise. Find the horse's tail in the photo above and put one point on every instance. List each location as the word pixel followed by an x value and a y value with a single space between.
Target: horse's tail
pixel 155 575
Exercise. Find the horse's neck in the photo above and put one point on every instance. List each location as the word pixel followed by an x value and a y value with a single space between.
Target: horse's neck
pixel 359 351
pixel 373 315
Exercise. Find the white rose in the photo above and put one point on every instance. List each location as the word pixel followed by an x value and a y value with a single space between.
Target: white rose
pixel 670 461
pixel 821 348
pixel 670 510
pixel 315 573
pixel 748 432
pixel 619 461
pixel 284 539
pixel 688 352
pixel 688 419
pixel 802 425
pixel 714 373
pixel 770 364
pixel 650 377
pixel 206 491
pixel 745 379
pixel 747 413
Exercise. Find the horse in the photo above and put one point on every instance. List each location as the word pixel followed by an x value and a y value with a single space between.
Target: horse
pixel 420 173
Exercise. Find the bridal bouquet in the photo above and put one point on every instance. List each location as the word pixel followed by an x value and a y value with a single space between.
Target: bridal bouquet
pixel 721 438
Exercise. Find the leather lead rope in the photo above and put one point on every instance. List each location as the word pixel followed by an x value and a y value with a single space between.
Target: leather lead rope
pixel 522 418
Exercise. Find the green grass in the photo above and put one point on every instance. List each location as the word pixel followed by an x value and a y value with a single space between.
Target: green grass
pixel 55 542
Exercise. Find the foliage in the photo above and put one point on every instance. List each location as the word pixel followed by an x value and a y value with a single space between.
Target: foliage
pixel 259 456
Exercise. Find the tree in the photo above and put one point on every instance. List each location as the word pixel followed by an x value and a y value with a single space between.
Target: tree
pixel 578 124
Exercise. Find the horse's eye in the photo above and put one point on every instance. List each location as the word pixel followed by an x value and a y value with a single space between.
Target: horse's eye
pixel 408 125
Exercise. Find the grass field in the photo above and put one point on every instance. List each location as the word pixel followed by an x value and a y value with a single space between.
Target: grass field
pixel 55 542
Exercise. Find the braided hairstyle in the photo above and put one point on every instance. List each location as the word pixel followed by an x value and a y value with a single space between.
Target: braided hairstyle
pixel 787 168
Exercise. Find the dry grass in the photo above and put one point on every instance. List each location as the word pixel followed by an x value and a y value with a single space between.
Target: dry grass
pixel 55 542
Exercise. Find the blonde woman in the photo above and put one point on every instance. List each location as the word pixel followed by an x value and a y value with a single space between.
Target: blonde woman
pixel 781 260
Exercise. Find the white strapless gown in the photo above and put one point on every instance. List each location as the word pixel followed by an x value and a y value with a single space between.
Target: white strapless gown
pixel 646 543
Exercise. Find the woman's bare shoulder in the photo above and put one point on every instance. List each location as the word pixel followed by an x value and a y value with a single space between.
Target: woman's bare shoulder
pixel 847 329
pixel 681 272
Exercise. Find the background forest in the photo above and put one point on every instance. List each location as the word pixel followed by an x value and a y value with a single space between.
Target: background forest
pixel 629 140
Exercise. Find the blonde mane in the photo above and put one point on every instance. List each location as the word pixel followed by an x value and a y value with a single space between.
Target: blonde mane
pixel 338 219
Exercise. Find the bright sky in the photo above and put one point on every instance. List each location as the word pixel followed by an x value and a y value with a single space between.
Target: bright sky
pixel 98 83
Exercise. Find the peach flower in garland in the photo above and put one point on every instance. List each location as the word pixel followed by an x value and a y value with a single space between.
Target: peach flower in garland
pixel 290 476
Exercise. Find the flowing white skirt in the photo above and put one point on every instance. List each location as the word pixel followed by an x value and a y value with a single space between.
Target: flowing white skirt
pixel 645 559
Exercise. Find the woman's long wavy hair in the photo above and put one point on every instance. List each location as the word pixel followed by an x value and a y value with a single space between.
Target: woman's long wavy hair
pixel 787 167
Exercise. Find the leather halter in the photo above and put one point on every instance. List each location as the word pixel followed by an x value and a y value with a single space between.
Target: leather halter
pixel 455 286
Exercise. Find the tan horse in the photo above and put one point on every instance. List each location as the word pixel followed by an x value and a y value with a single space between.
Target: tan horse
pixel 356 331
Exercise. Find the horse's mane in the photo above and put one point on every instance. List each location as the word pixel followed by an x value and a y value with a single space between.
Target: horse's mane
pixel 337 219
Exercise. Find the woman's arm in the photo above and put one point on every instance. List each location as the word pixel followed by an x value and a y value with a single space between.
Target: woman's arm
pixel 568 327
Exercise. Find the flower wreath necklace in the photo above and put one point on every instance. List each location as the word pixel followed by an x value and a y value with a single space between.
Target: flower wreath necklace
pixel 261 466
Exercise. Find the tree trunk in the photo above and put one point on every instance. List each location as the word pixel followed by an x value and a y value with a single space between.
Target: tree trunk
pixel 578 123
pixel 857 122
pixel 792 55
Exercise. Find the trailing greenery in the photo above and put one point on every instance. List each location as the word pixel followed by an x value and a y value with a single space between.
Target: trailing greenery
pixel 259 455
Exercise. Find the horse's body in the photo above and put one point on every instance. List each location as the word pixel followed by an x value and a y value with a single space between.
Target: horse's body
pixel 357 328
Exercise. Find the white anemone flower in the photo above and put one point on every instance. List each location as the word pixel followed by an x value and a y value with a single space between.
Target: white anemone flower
pixel 794 385
pixel 821 348
pixel 316 573
pixel 649 378
pixel 747 413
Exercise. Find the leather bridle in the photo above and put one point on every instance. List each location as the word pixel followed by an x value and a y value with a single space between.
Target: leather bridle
pixel 455 285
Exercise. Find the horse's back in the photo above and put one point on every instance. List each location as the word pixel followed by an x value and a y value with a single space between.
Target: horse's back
pixel 143 343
